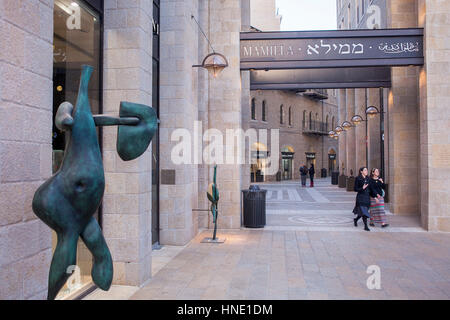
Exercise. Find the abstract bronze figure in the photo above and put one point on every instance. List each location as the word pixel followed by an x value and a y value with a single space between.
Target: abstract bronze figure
pixel 68 200
pixel 213 197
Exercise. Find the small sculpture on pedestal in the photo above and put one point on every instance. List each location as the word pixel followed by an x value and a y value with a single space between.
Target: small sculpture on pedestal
pixel 213 197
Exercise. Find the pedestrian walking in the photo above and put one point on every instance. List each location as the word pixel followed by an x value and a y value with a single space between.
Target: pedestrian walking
pixel 376 188
pixel 311 175
pixel 362 198
pixel 303 174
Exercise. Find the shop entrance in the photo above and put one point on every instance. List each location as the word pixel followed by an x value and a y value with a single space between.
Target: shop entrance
pixel 73 47
pixel 259 155
pixel 331 161
pixel 287 167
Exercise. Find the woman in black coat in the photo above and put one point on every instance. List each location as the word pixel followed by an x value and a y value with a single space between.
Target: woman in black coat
pixel 311 175
pixel 362 198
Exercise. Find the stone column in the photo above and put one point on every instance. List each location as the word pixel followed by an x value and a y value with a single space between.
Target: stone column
pixel 342 154
pixel 350 134
pixel 360 132
pixel 245 96
pixel 179 111
pixel 404 122
pixel 435 117
pixel 373 97
pixel 127 200
pixel 26 90
pixel 225 102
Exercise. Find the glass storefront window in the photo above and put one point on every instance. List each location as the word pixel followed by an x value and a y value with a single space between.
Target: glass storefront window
pixel 77 41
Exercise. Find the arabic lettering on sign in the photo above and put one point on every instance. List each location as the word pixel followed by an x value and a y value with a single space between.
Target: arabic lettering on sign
pixel 399 47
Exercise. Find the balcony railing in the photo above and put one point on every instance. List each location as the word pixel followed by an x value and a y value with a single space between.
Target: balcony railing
pixel 315 127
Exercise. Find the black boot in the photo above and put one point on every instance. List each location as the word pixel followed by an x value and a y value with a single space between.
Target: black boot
pixel 365 224
pixel 355 221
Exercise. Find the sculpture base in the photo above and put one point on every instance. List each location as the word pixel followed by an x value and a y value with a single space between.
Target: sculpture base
pixel 211 240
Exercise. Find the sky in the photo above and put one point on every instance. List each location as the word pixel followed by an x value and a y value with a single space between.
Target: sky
pixel 307 14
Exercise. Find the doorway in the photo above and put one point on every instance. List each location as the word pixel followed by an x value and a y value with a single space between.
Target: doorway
pixel 74 46
pixel 155 143
pixel 331 161
pixel 287 168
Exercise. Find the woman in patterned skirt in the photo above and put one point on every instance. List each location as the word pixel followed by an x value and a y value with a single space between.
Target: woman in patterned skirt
pixel 376 188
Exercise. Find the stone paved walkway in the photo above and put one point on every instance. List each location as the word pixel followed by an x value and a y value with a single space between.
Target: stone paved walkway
pixel 324 207
pixel 308 259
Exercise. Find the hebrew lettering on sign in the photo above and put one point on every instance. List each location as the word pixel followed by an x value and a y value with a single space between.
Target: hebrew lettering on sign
pixel 325 46
pixel 315 49
pixel 358 51
pixel 346 51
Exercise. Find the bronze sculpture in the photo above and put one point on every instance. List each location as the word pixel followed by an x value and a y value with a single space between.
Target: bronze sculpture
pixel 213 197
pixel 68 200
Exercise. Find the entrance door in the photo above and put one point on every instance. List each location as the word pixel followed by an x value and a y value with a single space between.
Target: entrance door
pixel 155 141
pixel 331 165
pixel 72 48
pixel 287 169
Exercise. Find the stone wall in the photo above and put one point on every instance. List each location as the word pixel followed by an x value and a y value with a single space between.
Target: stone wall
pixel 179 109
pixel 26 57
pixel 127 200
pixel 403 118
pixel 435 116
pixel 263 15
pixel 225 103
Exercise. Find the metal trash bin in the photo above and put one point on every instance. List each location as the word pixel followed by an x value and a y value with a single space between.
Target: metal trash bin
pixel 351 183
pixel 342 182
pixel 334 177
pixel 254 207
pixel 323 173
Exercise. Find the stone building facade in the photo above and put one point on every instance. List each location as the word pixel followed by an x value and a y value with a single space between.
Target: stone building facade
pixel 144 51
pixel 303 125
pixel 415 143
